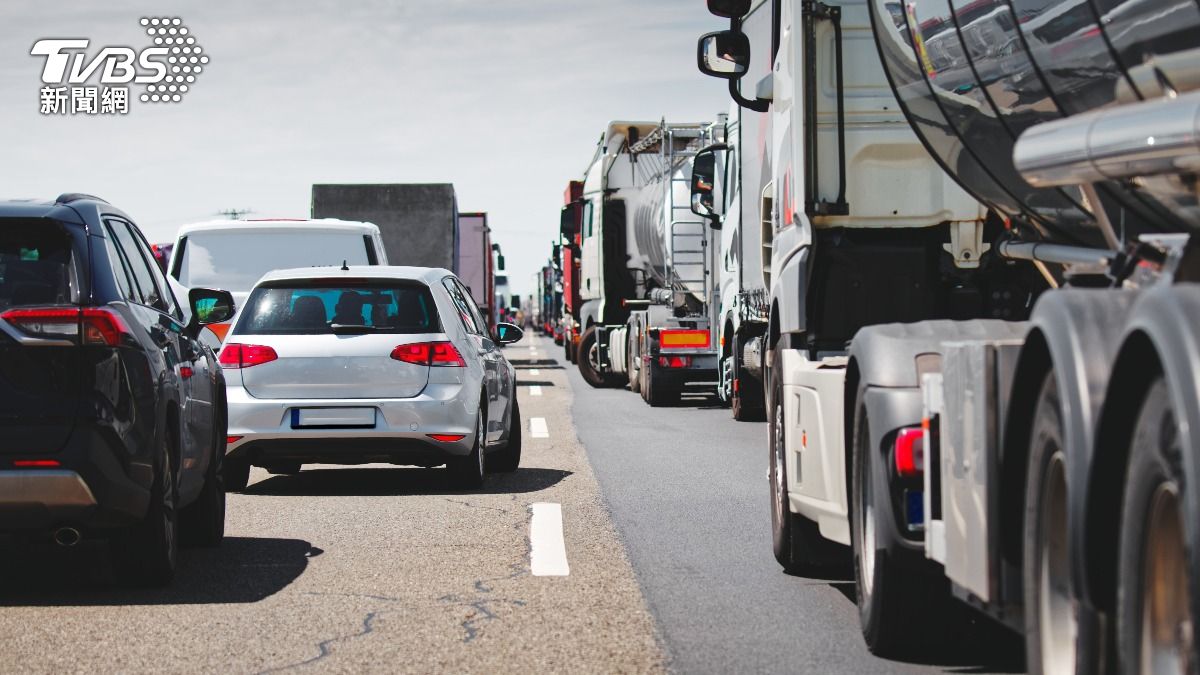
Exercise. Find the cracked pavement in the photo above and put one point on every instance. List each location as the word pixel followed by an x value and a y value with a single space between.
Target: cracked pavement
pixel 359 569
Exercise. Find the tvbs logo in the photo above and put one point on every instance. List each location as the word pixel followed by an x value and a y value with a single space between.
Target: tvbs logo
pixel 168 69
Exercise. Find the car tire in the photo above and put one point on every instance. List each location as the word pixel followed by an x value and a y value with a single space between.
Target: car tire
pixel 796 541
pixel 203 521
pixel 1157 550
pixel 147 554
pixel 508 459
pixel 1050 647
pixel 236 471
pixel 467 473
pixel 900 610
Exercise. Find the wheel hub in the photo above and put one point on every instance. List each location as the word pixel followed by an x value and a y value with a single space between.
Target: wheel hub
pixel 1167 639
pixel 1056 608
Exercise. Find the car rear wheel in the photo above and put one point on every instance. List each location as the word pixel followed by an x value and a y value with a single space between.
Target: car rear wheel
pixel 508 459
pixel 204 519
pixel 147 554
pixel 236 472
pixel 467 472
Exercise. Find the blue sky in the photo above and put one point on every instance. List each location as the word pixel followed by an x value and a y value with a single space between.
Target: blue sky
pixel 504 99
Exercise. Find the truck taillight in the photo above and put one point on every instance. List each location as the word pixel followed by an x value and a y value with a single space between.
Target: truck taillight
pixel 235 355
pixel 910 452
pixel 429 354
pixel 89 325
pixel 684 339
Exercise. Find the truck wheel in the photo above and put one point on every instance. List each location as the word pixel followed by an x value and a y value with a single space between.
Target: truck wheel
pixel 633 366
pixel 1051 621
pixel 725 374
pixel 746 398
pixel 146 555
pixel 899 609
pixel 568 353
pixel 588 358
pixel 508 459
pixel 1157 553
pixel 796 541
pixel 466 473
pixel 204 520
pixel 655 391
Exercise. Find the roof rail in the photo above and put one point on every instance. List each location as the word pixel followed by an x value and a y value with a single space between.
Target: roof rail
pixel 68 197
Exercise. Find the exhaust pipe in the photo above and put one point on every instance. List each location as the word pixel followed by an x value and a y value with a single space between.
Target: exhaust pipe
pixel 67 537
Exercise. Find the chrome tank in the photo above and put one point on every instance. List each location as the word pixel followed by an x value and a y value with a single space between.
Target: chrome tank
pixel 972 75
pixel 652 223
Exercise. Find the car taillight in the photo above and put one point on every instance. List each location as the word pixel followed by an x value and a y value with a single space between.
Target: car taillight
pixel 429 354
pixel 246 356
pixel 447 438
pixel 36 463
pixel 88 325
pixel 910 452
pixel 684 339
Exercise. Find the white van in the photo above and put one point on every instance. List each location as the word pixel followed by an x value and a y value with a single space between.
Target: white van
pixel 234 254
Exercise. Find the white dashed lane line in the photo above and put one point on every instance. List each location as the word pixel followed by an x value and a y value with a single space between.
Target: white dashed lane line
pixel 537 427
pixel 547 550
pixel 535 390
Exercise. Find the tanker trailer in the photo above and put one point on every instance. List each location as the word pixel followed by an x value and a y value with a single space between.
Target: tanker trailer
pixel 1012 416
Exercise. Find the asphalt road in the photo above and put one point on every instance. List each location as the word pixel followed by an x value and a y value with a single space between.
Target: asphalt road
pixel 665 530
pixel 687 490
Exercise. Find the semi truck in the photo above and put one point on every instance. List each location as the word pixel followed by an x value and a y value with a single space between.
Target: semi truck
pixel 983 325
pixel 571 235
pixel 648 264
pixel 421 226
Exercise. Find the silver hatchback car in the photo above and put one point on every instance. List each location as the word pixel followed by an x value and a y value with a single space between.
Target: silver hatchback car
pixel 353 365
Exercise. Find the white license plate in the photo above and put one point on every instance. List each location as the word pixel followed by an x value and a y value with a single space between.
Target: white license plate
pixel 333 417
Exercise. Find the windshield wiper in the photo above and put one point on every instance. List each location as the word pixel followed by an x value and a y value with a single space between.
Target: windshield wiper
pixel 351 328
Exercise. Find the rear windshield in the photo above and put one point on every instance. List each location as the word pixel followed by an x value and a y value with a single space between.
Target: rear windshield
pixel 36 266
pixel 388 307
pixel 234 260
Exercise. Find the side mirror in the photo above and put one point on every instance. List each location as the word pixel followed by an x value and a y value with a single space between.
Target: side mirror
pixel 516 302
pixel 729 9
pixel 724 54
pixel 704 183
pixel 500 263
pixel 570 221
pixel 508 333
pixel 210 306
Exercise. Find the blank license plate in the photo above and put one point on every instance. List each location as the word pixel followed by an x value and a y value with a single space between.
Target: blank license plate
pixel 333 417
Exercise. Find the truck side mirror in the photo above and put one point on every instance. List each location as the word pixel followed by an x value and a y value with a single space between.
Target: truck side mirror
pixel 729 9
pixel 724 54
pixel 704 183
pixel 500 263
pixel 570 221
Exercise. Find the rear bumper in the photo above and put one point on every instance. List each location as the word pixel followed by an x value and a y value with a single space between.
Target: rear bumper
pixel 100 484
pixel 703 367
pixel 400 433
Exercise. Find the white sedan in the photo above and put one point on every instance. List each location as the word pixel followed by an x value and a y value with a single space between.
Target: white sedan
pixel 366 364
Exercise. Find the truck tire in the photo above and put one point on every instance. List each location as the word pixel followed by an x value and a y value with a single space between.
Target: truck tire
pixel 746 401
pixel 1050 646
pixel 589 362
pixel 147 554
pixel 654 391
pixel 1156 600
pixel 508 459
pixel 633 365
pixel 900 610
pixel 568 352
pixel 467 472
pixel 203 521
pixel 796 541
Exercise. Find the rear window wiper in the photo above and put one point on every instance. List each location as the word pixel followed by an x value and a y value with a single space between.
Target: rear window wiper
pixel 351 328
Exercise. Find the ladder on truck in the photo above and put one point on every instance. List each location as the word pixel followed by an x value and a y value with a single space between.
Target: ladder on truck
pixel 687 233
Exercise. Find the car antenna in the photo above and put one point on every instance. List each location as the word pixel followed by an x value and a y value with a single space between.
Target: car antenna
pixel 344 267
